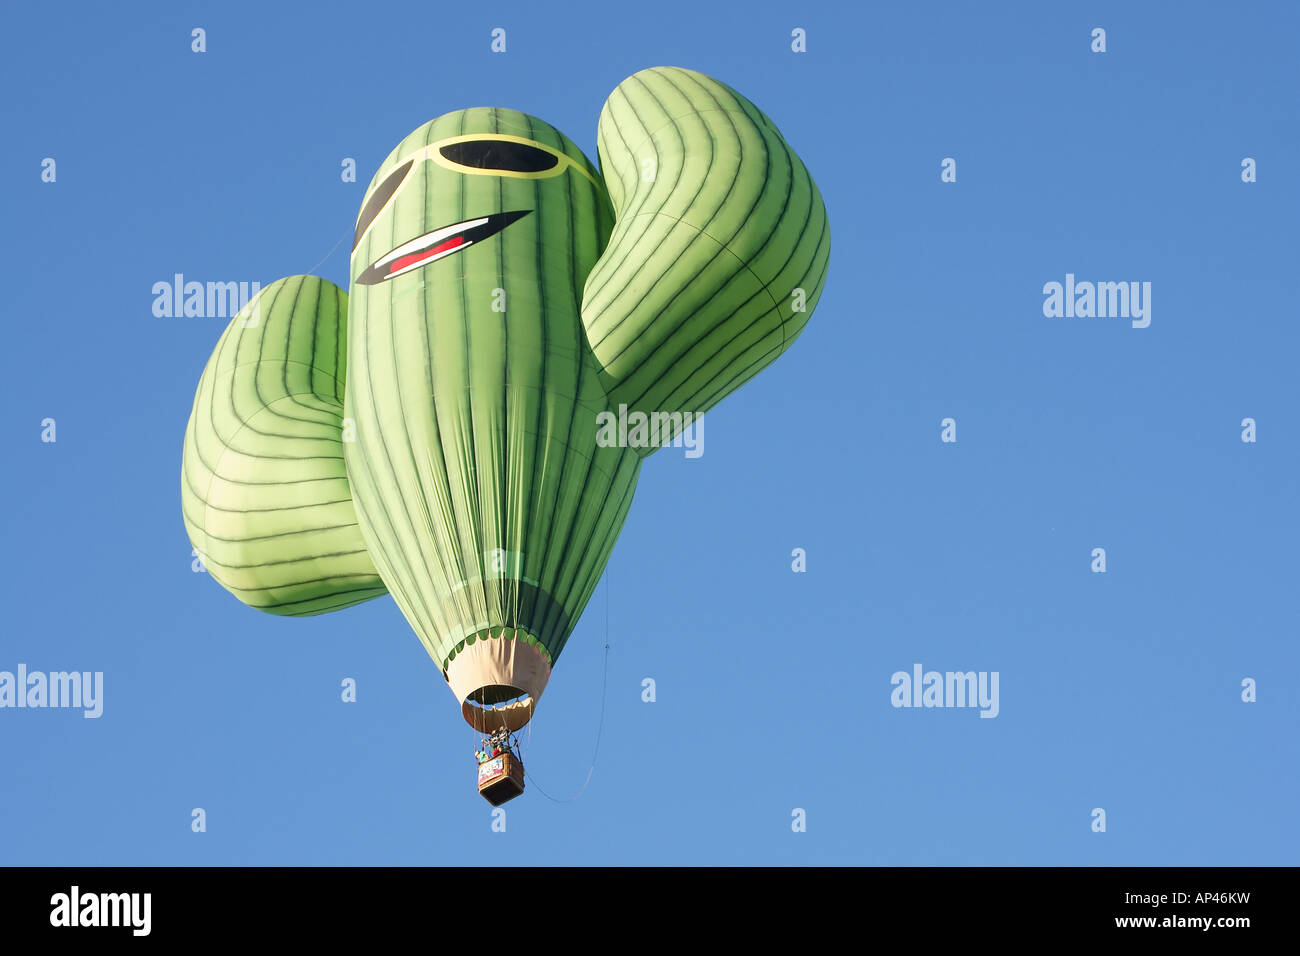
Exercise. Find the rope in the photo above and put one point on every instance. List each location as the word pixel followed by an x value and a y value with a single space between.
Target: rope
pixel 600 729
pixel 312 270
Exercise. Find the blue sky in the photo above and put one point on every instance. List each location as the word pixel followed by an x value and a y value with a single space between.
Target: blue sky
pixel 1119 690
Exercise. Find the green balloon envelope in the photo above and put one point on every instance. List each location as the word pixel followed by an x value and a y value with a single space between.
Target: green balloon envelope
pixel 487 503
pixel 508 303
pixel 264 490
pixel 720 249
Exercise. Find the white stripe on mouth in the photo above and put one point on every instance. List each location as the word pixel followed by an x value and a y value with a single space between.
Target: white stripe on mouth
pixel 425 261
pixel 424 242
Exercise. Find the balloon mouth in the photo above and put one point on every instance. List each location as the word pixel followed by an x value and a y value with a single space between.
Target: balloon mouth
pixel 498 680
pixel 498 707
pixel 432 246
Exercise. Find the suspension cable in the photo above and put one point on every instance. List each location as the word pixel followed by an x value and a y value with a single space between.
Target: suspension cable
pixel 604 683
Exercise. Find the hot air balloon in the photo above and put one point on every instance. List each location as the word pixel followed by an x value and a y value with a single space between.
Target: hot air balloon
pixel 441 434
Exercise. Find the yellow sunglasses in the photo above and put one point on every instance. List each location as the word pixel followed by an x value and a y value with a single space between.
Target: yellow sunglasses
pixel 475 154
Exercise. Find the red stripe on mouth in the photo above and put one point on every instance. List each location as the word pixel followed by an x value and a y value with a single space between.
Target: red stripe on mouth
pixel 399 264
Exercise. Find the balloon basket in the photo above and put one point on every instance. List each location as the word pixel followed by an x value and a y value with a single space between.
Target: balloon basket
pixel 501 778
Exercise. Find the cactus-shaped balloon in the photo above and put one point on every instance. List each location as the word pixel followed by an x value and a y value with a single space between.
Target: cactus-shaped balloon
pixel 442 434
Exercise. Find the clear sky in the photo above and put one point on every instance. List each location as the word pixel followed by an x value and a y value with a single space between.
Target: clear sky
pixel 1119 690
